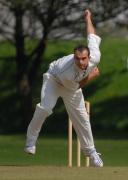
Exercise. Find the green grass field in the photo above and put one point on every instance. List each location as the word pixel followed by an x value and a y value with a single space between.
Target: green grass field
pixel 53 151
pixel 50 162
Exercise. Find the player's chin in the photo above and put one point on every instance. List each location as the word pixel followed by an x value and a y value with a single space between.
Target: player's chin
pixel 82 67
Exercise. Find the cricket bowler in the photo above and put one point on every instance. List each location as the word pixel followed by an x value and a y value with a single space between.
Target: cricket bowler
pixel 65 78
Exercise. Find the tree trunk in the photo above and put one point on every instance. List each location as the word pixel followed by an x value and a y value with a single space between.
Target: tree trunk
pixel 25 97
pixel 23 83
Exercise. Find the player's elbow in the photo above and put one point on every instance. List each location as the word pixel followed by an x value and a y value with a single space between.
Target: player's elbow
pixel 95 58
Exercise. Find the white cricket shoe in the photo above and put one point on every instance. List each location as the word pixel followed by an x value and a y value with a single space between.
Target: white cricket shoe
pixel 95 160
pixel 30 149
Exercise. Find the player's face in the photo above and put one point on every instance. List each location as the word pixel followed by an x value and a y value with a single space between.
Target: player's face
pixel 81 59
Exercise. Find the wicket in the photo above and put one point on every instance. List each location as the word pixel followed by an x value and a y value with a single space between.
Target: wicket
pixel 87 105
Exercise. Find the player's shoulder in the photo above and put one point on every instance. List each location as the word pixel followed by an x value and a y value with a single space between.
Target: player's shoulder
pixel 68 57
pixel 66 62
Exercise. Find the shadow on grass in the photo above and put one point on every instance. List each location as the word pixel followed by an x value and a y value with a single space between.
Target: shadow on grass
pixel 112 115
pixel 98 83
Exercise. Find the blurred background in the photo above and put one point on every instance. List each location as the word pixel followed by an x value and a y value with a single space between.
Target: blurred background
pixel 33 33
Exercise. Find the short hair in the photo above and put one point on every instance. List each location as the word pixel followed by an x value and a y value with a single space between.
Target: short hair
pixel 81 48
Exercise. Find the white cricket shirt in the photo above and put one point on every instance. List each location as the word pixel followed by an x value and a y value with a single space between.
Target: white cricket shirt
pixel 67 73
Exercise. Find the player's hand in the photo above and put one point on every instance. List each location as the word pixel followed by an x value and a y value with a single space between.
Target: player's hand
pixel 87 14
pixel 92 75
pixel 95 71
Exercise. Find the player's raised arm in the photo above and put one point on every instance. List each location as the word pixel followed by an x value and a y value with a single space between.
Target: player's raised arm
pixel 88 20
pixel 93 40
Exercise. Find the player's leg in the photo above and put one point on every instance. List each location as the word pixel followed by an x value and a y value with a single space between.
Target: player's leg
pixel 49 96
pixel 75 106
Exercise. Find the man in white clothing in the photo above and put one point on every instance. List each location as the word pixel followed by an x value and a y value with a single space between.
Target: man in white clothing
pixel 65 78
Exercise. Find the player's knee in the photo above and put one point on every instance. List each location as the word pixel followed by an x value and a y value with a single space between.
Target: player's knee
pixel 44 108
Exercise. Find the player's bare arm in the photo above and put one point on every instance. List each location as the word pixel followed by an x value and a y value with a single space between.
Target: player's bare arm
pixel 92 75
pixel 88 21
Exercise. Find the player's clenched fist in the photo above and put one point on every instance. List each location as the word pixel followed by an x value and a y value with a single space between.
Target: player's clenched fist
pixel 87 14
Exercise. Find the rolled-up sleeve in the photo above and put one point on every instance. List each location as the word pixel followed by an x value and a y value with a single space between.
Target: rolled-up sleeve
pixel 93 44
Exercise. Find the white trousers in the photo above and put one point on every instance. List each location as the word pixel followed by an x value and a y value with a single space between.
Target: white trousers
pixel 75 106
